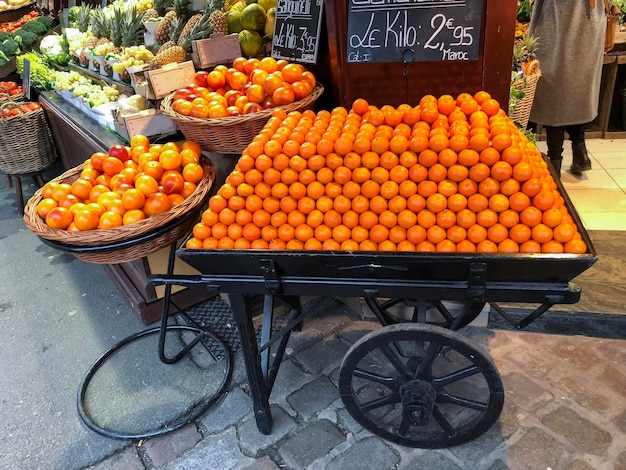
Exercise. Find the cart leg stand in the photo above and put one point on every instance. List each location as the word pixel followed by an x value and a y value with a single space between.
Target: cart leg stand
pixel 260 371
pixel 202 335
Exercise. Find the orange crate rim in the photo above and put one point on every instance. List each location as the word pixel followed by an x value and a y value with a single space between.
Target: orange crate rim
pixel 107 237
pixel 232 134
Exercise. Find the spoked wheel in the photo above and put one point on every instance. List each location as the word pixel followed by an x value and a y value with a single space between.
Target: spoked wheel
pixel 420 386
pixel 421 312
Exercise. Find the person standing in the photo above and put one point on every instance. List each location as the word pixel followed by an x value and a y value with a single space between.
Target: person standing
pixel 570 35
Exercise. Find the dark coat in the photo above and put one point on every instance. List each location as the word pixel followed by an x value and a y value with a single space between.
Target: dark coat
pixel 570 52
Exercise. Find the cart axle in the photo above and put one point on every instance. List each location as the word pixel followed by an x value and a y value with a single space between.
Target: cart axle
pixel 418 400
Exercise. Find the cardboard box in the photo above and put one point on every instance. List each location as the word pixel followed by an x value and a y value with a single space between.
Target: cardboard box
pixel 171 77
pixel 149 122
pixel 218 49
pixel 144 89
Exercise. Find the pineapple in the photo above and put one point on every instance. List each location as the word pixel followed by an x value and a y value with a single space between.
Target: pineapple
pixel 157 10
pixel 217 16
pixel 189 26
pixel 132 34
pixel 181 11
pixel 83 17
pixel 178 53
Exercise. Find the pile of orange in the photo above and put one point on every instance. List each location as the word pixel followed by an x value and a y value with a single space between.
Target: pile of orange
pixel 123 186
pixel 249 86
pixel 448 175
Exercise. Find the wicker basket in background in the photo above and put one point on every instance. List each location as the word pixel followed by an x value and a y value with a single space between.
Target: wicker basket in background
pixel 180 218
pixel 5 96
pixel 519 112
pixel 230 135
pixel 26 144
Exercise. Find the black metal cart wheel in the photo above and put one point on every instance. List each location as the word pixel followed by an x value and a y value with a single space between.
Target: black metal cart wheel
pixel 421 310
pixel 420 386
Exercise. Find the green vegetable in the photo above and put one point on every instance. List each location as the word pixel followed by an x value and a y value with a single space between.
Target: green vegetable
pixel 5 36
pixel 10 47
pixel 47 22
pixel 34 27
pixel 28 38
pixel 3 59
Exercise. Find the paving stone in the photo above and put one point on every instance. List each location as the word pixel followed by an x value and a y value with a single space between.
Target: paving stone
pixel 290 378
pixel 585 396
pixel 534 450
pixel 168 447
pixel 219 451
pixel 478 449
pixel 574 351
pixel 371 453
pixel 264 463
pixel 620 421
pixel 429 459
pixel 580 465
pixel 583 434
pixel 313 397
pixel 310 443
pixel 347 422
pixel 230 409
pixel 529 363
pixel 614 379
pixel 525 393
pixel 510 418
pixel 252 442
pixel 128 459
pixel 498 465
pixel 614 350
pixel 324 356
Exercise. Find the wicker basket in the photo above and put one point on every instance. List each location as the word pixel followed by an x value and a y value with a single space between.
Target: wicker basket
pixel 230 135
pixel 6 97
pixel 526 84
pixel 99 246
pixel 26 144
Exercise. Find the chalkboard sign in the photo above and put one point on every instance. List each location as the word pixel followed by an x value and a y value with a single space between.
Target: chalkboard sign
pixel 297 30
pixel 413 30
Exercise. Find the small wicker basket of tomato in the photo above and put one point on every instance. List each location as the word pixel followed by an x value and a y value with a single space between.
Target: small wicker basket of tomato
pixel 26 144
pixel 11 91
pixel 101 214
pixel 228 107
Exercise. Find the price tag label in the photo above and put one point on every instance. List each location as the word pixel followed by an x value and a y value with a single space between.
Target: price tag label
pixel 171 77
pixel 26 79
pixel 297 30
pixel 149 122
pixel 219 49
pixel 413 30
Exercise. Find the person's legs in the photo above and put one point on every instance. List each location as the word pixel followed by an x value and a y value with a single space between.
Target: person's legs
pixel 554 138
pixel 580 158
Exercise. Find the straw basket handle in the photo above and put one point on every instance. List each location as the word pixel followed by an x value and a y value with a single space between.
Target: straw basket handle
pixel 12 105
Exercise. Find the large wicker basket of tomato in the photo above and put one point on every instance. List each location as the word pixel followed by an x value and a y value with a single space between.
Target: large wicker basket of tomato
pixel 124 204
pixel 26 144
pixel 228 107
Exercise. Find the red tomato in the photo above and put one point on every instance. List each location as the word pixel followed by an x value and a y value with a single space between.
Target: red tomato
pixel 120 152
pixel 200 78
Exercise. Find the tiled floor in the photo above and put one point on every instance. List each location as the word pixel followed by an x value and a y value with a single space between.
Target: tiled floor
pixel 599 196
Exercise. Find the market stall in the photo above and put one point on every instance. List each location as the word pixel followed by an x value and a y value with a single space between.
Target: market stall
pixel 413 188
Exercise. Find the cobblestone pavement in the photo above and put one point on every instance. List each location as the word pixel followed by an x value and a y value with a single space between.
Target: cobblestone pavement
pixel 565 408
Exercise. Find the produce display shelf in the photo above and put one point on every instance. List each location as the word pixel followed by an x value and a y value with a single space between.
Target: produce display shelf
pixel 123 87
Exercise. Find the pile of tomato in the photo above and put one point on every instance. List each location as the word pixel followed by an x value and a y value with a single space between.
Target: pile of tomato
pixel 249 86
pixel 11 26
pixel 20 108
pixel 12 87
pixel 124 186
pixel 448 175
